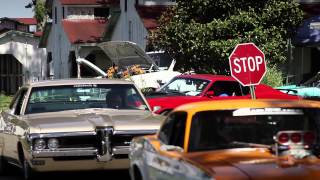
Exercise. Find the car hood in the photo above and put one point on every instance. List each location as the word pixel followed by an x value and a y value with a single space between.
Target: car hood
pixel 125 53
pixel 255 164
pixel 89 119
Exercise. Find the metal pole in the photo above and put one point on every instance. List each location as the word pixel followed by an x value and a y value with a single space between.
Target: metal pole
pixel 252 93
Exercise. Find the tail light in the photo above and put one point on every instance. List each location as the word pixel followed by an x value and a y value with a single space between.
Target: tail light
pixel 283 138
pixel 309 138
pixel 296 137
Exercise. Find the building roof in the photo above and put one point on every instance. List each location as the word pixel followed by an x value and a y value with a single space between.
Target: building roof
pixel 84 31
pixel 150 15
pixel 27 21
pixel 88 2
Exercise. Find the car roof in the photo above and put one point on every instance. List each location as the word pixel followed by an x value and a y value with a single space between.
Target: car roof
pixel 208 77
pixel 59 82
pixel 246 103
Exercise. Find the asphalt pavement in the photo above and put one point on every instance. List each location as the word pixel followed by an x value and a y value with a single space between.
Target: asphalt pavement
pixel 16 174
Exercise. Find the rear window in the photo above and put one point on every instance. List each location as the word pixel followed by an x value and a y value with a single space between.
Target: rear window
pixel 213 130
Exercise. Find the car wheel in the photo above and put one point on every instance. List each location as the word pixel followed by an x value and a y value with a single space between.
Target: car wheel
pixel 137 174
pixel 3 165
pixel 28 173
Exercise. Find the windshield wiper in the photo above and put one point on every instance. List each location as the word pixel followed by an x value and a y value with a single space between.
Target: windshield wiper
pixel 254 145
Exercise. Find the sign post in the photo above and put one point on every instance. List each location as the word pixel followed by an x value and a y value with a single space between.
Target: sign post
pixel 247 65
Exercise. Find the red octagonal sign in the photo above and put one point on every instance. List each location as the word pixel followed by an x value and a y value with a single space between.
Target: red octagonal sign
pixel 247 64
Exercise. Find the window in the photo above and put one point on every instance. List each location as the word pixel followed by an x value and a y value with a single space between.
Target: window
pixel 101 12
pixel 212 130
pixel 172 131
pixel 186 86
pixel 17 101
pixel 84 96
pixel 230 88
pixel 55 15
pixel 63 13
pixel 130 30
pixel 125 5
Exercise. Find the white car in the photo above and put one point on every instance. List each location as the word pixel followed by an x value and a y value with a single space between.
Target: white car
pixel 125 54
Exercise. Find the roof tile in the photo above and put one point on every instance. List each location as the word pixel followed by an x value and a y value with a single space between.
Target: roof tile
pixel 84 31
pixel 27 21
pixel 150 15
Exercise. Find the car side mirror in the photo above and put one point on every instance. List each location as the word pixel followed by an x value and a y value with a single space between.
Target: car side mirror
pixel 166 147
pixel 210 94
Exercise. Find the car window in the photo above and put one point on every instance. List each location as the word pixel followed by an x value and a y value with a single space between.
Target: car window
pixel 186 86
pixel 18 101
pixel 71 97
pixel 229 88
pixel 173 130
pixel 211 130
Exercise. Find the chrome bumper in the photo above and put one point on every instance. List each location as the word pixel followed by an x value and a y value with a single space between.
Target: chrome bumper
pixel 64 152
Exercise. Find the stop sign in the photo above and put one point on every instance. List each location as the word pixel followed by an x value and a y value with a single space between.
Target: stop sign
pixel 247 64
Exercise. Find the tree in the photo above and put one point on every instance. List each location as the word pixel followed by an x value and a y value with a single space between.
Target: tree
pixel 201 34
pixel 40 11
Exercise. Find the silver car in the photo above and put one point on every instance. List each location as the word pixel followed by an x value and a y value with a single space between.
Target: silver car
pixel 72 125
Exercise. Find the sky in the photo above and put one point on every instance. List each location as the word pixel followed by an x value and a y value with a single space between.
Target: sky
pixel 15 9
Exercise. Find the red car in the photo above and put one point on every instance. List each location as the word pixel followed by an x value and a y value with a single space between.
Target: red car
pixel 202 87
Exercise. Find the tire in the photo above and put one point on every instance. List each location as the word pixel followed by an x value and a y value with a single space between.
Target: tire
pixel 137 174
pixel 28 173
pixel 3 165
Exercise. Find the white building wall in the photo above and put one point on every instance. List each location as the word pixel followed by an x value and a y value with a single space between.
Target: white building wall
pixel 58 45
pixel 130 23
pixel 25 50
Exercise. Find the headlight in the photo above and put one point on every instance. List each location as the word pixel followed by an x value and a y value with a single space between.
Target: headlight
pixel 53 143
pixel 39 144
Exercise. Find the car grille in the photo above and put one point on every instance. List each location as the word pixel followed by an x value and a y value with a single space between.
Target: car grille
pixel 79 142
pixel 122 140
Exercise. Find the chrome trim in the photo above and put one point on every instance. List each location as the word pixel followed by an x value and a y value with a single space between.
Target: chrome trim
pixel 63 152
pixel 105 154
pixel 61 134
pixel 135 132
pixel 121 150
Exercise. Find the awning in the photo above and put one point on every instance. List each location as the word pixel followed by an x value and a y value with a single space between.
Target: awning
pixel 308 34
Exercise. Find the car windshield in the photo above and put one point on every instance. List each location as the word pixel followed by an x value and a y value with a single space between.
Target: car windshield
pixel 83 96
pixel 212 130
pixel 185 86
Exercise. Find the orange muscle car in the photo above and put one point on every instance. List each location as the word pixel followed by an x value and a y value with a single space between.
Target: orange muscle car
pixel 232 140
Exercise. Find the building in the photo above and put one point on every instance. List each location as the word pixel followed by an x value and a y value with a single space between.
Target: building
pixel 21 60
pixel 305 52
pixel 78 25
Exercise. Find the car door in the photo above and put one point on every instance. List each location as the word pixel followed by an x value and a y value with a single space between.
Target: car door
pixel 10 121
pixel 161 165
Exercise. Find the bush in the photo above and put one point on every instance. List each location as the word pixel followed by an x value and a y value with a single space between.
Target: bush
pixel 4 102
pixel 273 76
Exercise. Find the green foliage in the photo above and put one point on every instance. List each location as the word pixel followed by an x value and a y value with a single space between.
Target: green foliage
pixel 4 102
pixel 40 11
pixel 273 76
pixel 201 34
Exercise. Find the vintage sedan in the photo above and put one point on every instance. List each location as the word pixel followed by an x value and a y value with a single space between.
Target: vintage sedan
pixel 232 140
pixel 71 125
pixel 189 88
